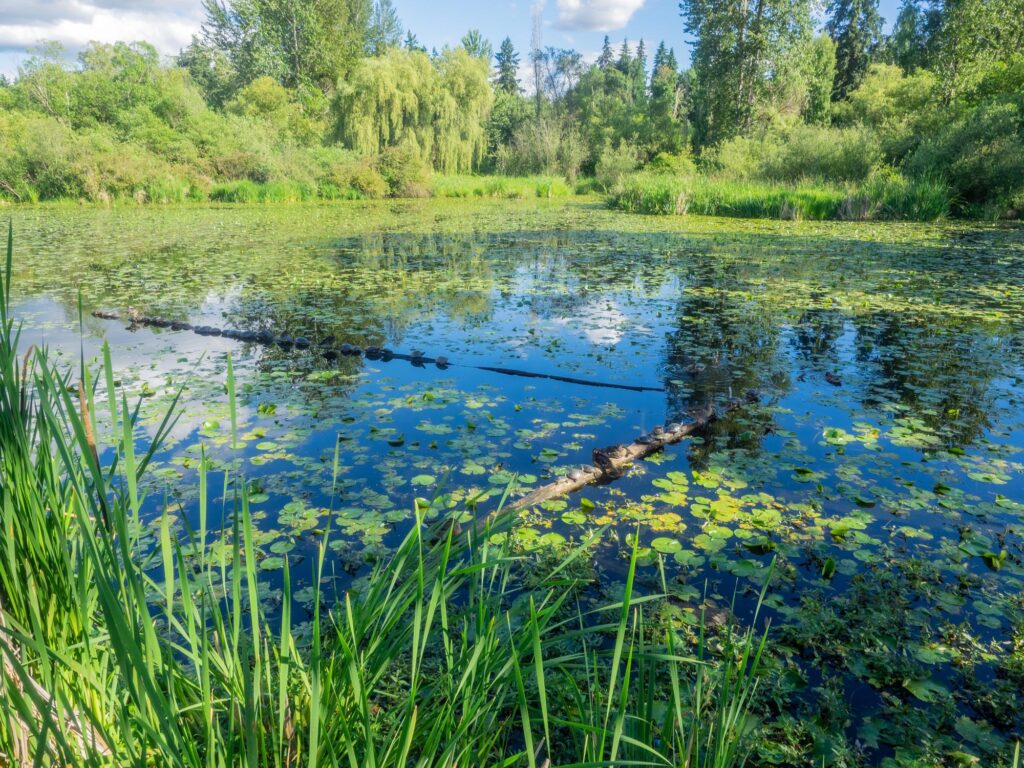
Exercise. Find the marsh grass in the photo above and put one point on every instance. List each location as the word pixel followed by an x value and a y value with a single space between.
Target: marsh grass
pixel 129 641
pixel 506 187
pixel 171 191
pixel 269 192
pixel 883 196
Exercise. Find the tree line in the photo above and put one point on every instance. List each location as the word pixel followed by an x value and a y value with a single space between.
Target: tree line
pixel 337 96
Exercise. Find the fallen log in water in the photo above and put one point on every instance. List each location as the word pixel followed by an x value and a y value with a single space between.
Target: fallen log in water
pixel 612 462
pixel 331 351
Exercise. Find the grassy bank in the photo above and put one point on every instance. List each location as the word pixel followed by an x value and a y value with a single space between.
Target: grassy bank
pixel 509 187
pixel 881 197
pixel 130 638
pixel 367 186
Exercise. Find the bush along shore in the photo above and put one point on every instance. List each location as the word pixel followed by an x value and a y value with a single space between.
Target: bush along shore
pixel 851 124
pixel 883 197
pixel 130 638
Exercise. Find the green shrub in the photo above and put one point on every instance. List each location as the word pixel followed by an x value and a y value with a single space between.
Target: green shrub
pixel 170 190
pixel 500 186
pixel 890 195
pixel 251 192
pixel 328 191
pixel 799 152
pixel 614 164
pixel 403 170
pixel 981 156
pixel 764 201
pixel 882 196
pixel 369 183
pixel 236 192
pixel 506 187
pixel 552 186
pixel 898 108
pixel 549 147
pixel 656 194
pixel 45 160
pixel 680 164
pixel 457 186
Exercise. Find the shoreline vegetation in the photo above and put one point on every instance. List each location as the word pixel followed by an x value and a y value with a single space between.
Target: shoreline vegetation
pixel 771 117
pixel 883 197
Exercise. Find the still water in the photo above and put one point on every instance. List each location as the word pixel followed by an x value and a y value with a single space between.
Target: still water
pixel 880 466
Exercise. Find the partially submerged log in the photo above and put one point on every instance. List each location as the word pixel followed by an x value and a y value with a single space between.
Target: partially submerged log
pixel 612 462
pixel 330 351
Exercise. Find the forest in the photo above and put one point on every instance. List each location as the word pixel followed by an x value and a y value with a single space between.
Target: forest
pixel 782 111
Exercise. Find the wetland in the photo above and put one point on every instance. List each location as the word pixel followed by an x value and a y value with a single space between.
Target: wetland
pixel 871 481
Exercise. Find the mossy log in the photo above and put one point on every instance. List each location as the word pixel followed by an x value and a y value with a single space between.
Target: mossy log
pixel 612 462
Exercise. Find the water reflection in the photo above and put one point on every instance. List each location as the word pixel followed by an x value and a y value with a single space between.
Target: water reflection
pixel 884 449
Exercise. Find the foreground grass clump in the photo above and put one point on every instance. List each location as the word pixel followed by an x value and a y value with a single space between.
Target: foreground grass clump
pixel 125 642
pixel 880 197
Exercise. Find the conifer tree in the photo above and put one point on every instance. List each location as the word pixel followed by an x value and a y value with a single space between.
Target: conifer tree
pixel 385 28
pixel 506 65
pixel 660 55
pixel 412 43
pixel 625 58
pixel 856 29
pixel 477 45
pixel 607 57
pixel 909 45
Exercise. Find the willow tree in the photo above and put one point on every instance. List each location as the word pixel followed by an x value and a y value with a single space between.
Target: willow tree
pixel 403 98
pixel 462 108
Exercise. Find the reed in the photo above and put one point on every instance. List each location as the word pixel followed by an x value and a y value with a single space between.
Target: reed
pixel 506 187
pixel 883 196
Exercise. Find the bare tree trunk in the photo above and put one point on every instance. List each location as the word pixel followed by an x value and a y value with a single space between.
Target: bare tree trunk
pixel 741 57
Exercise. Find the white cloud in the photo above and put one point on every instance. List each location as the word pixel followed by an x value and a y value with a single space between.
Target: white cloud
pixel 596 15
pixel 168 24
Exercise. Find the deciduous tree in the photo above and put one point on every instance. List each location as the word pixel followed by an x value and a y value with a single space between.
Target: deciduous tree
pixel 297 42
pixel 741 48
pixel 403 98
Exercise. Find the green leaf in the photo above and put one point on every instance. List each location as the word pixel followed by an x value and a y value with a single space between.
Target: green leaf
pixel 926 690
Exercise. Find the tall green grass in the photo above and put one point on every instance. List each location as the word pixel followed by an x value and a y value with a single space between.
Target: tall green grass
pixel 128 641
pixel 506 187
pixel 268 192
pixel 881 197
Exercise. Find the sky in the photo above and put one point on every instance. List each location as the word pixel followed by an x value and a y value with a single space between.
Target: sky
pixel 169 24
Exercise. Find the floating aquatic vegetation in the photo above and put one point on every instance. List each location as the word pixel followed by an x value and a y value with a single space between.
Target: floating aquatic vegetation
pixel 893 503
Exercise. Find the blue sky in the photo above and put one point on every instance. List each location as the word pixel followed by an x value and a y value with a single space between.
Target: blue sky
pixel 444 21
pixel 579 24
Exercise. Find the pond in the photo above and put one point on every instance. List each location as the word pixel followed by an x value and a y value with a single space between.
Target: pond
pixel 877 460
